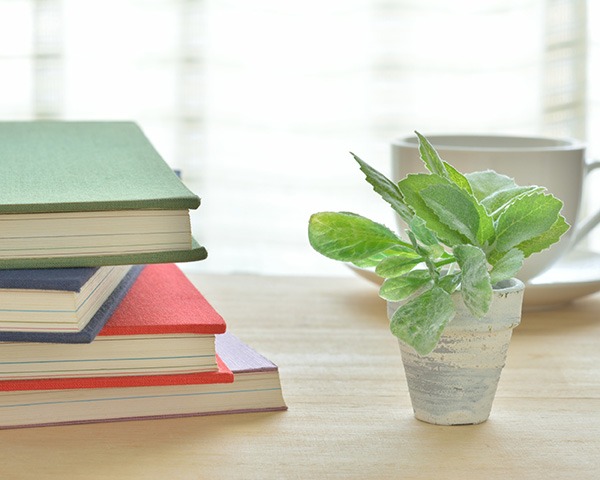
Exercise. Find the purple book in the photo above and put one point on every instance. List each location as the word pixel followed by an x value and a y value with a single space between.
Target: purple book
pixel 256 388
pixel 239 357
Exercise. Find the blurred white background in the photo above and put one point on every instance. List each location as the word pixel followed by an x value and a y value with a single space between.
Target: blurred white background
pixel 260 102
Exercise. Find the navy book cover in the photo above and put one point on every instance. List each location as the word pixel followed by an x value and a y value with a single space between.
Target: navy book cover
pixel 66 279
pixel 87 334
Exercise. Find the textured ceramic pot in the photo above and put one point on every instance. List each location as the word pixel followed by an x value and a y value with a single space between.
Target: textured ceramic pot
pixel 456 383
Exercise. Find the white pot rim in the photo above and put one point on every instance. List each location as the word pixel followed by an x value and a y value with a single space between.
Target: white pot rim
pixel 507 286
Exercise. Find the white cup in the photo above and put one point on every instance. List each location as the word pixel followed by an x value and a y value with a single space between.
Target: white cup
pixel 560 165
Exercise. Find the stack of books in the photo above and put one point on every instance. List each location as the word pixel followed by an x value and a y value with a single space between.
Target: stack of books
pixel 97 322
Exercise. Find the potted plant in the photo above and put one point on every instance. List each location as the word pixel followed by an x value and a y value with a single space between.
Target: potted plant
pixel 449 282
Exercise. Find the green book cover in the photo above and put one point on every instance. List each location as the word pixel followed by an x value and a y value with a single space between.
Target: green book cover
pixel 196 253
pixel 64 166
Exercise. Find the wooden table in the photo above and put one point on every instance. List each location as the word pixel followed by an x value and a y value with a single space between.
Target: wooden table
pixel 349 412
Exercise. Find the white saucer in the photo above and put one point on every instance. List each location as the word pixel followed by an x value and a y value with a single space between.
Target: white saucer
pixel 574 276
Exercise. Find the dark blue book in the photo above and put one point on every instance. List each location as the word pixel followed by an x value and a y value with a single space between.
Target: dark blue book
pixel 68 305
pixel 64 279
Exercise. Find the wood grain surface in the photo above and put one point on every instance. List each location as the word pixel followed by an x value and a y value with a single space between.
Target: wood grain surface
pixel 349 411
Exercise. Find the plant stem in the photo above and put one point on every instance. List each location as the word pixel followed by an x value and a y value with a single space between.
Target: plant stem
pixel 446 261
pixel 432 267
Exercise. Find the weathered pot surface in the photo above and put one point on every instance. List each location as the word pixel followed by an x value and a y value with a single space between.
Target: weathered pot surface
pixel 456 383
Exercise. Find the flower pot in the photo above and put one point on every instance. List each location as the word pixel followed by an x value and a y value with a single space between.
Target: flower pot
pixel 456 383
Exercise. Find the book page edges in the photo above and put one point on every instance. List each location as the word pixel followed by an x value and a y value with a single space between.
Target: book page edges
pixel 196 253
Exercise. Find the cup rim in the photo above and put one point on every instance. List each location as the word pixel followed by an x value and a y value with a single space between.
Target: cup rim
pixel 492 142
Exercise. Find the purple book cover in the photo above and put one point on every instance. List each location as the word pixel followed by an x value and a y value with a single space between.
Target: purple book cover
pixel 239 357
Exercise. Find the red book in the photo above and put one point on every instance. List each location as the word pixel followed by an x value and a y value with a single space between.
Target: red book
pixel 221 375
pixel 163 301
pixel 246 382
pixel 164 325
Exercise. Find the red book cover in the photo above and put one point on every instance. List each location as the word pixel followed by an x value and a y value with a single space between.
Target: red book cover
pixel 163 300
pixel 222 375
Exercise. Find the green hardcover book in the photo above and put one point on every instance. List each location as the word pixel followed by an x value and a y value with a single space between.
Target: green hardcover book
pixel 89 194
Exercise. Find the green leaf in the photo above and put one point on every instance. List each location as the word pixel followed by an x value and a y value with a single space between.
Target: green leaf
pixel 426 237
pixel 546 239
pixel 386 188
pixel 418 226
pixel 458 178
pixel 421 321
pixel 450 282
pixel 400 288
pixel 488 182
pixel 349 237
pixel 460 211
pixel 476 286
pixel 453 208
pixel 375 259
pixel 497 203
pixel 411 188
pixel 430 157
pixel 397 265
pixel 495 191
pixel 507 266
pixel 526 218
